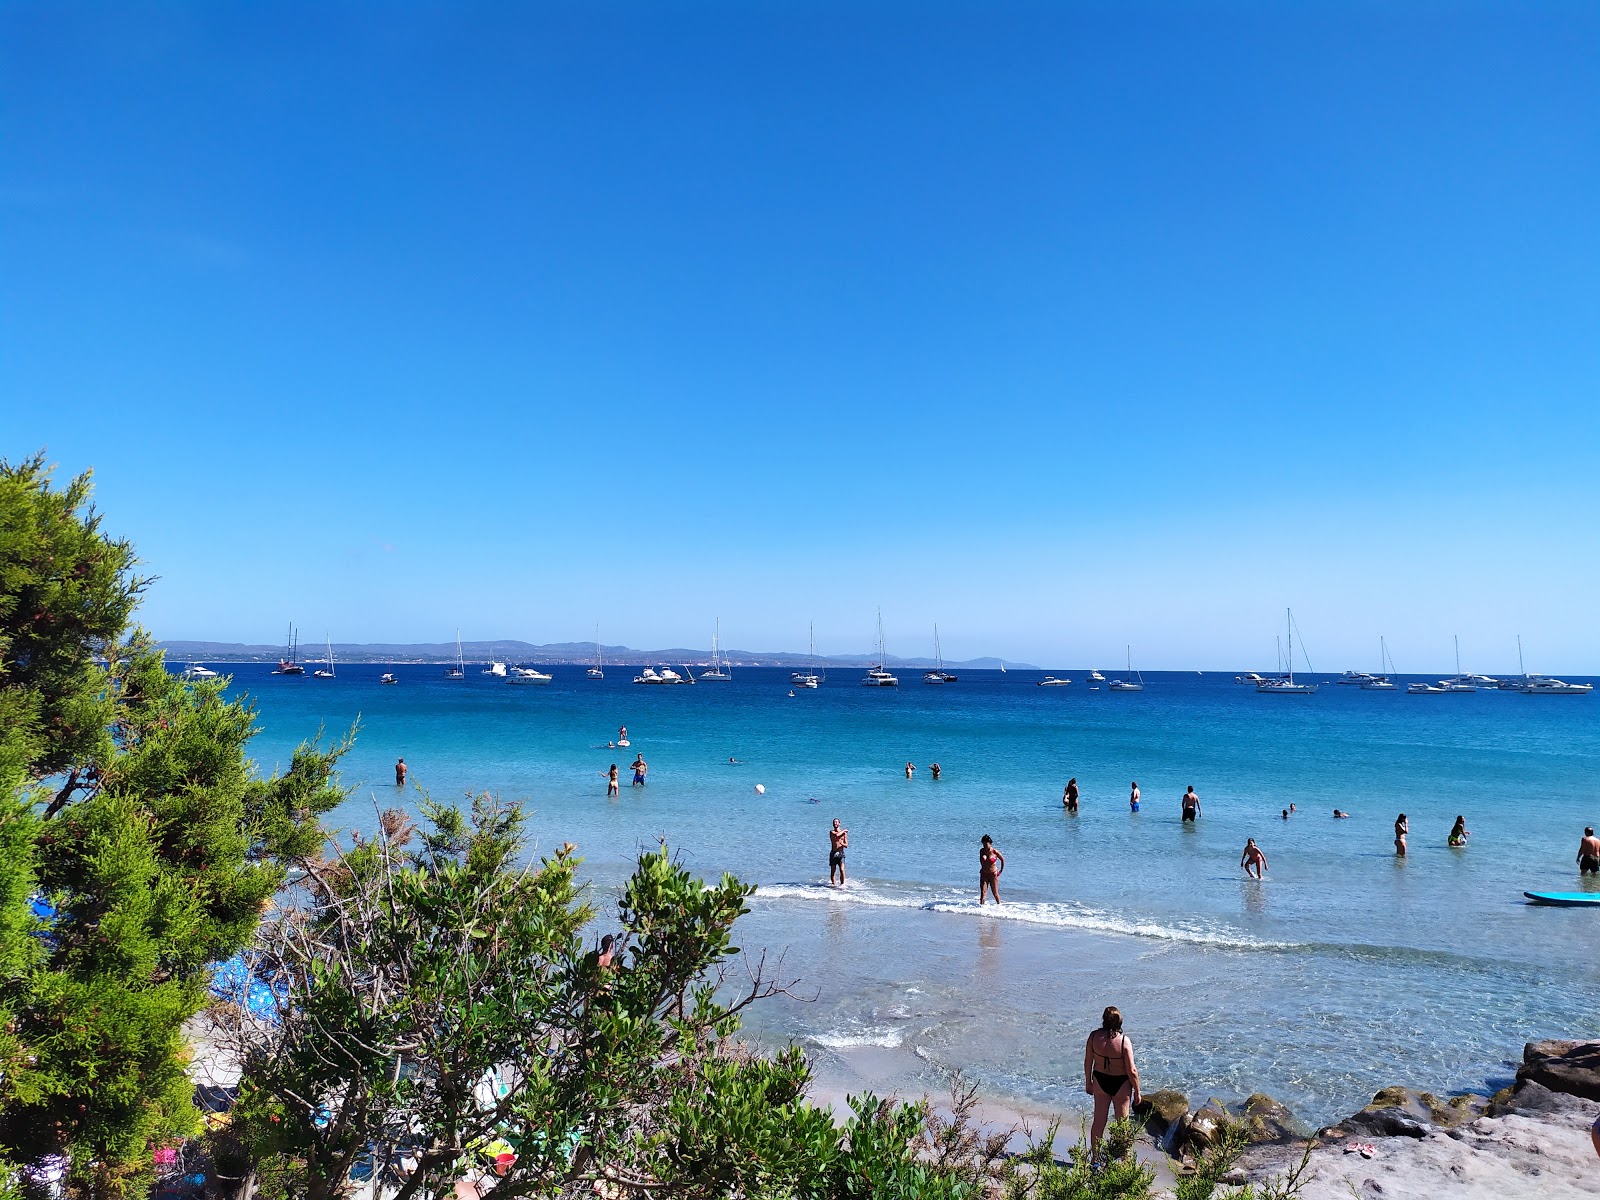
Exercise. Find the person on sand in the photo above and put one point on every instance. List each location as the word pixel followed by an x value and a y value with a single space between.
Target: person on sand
pixel 990 863
pixel 1191 804
pixel 1069 795
pixel 910 770
pixel 640 768
pixel 400 773
pixel 1401 828
pixel 1459 833
pixel 611 781
pixel 1253 859
pixel 1109 1074
pixel 838 843
pixel 1589 853
pixel 1133 797
pixel 935 771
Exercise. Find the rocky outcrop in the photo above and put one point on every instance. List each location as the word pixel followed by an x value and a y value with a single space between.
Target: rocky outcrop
pixel 1266 1120
pixel 1163 1112
pixel 1569 1067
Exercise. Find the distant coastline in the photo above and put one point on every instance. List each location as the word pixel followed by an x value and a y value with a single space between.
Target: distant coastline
pixel 559 653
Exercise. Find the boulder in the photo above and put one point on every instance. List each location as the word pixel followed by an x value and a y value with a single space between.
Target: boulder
pixel 1266 1120
pixel 1394 1112
pixel 1569 1067
pixel 1198 1131
pixel 1163 1111
pixel 1534 1099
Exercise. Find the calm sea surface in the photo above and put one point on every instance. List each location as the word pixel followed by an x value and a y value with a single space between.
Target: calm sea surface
pixel 1345 971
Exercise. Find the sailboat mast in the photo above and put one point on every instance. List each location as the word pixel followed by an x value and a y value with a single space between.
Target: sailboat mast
pixel 1289 620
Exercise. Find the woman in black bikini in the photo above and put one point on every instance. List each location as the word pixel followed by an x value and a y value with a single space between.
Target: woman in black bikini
pixel 990 863
pixel 1108 1072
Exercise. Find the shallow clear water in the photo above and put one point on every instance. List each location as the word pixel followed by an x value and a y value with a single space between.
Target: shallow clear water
pixel 1344 971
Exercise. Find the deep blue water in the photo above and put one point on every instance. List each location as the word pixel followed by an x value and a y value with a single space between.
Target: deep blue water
pixel 1345 971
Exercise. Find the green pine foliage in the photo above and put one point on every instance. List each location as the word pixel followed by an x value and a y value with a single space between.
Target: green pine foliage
pixel 127 808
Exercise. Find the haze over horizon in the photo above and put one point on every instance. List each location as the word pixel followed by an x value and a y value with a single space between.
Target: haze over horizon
pixel 1066 327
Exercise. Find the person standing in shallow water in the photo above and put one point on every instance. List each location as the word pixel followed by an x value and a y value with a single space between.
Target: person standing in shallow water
pixel 838 843
pixel 1253 861
pixel 1191 804
pixel 1589 853
pixel 611 781
pixel 1133 797
pixel 1401 828
pixel 990 863
pixel 400 773
pixel 1069 796
pixel 1109 1074
pixel 910 770
pixel 935 771
pixel 1459 833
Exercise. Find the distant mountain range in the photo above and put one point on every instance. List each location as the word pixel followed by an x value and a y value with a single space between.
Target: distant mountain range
pixel 180 650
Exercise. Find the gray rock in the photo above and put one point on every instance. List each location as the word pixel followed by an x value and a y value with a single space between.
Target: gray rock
pixel 1266 1120
pixel 1569 1067
pixel 1163 1111
pixel 1534 1099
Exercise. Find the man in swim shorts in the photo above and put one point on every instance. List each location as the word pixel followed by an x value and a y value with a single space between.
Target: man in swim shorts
pixel 838 843
pixel 1589 853
pixel 400 773
pixel 639 769
pixel 1253 861
pixel 1191 804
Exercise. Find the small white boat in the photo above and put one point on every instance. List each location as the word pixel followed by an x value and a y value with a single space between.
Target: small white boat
pixel 1052 681
pixel 1378 684
pixel 1459 682
pixel 387 677
pixel 1540 685
pixel 497 669
pixel 1251 678
pixel 1286 686
pixel 1133 683
pixel 596 671
pixel 809 677
pixel 1096 677
pixel 720 670
pixel 1425 689
pixel 201 671
pixel 879 676
pixel 1381 681
pixel 938 675
pixel 665 676
pixel 1355 679
pixel 459 671
pixel 1451 685
pixel 527 676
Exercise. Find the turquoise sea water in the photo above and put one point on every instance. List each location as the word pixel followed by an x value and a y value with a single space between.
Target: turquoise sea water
pixel 1344 971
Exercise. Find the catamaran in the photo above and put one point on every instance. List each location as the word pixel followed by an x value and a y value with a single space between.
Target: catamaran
pixel 327 671
pixel 809 677
pixel 1287 686
pixel 720 670
pixel 1134 682
pixel 287 664
pixel 596 671
pixel 938 674
pixel 459 671
pixel 879 676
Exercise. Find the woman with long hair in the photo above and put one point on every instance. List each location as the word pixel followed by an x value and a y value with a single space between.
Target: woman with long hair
pixel 1109 1074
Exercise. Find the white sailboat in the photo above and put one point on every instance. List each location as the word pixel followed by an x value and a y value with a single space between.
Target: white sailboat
pixel 1459 682
pixel 1543 685
pixel 938 674
pixel 1133 682
pixel 1287 686
pixel 1381 681
pixel 327 671
pixel 720 670
pixel 809 677
pixel 879 676
pixel 459 671
pixel 596 671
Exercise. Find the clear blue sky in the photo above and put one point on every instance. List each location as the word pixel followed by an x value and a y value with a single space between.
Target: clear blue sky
pixel 1063 325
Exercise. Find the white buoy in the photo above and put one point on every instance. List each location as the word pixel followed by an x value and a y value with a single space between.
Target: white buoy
pixel 761 790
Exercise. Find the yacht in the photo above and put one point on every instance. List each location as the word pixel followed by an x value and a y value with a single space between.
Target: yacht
pixel 1381 681
pixel 201 671
pixel 497 669
pixel 1355 679
pixel 809 677
pixel 1425 689
pixel 287 664
pixel 1096 677
pixel 1459 682
pixel 596 671
pixel 1251 678
pixel 387 677
pixel 1286 686
pixel 878 675
pixel 1542 685
pixel 1052 681
pixel 938 674
pixel 720 670
pixel 1133 682
pixel 325 672
pixel 664 676
pixel 528 676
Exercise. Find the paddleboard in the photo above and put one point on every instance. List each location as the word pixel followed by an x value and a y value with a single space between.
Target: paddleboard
pixel 1566 899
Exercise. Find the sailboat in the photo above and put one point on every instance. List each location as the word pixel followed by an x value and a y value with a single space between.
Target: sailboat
pixel 809 677
pixel 459 671
pixel 879 676
pixel 1381 681
pixel 326 672
pixel 938 674
pixel 1287 686
pixel 1134 682
pixel 1543 685
pixel 1002 666
pixel 287 664
pixel 1459 682
pixel 720 669
pixel 596 672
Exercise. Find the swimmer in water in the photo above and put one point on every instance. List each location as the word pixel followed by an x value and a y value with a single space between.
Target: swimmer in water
pixel 910 770
pixel 732 761
pixel 1253 858
pixel 838 843
pixel 1133 797
pixel 990 863
pixel 1459 833
pixel 934 770
pixel 1401 828
pixel 1286 814
pixel 1339 815
pixel 1191 804
pixel 1292 808
pixel 1069 795
pixel 1589 853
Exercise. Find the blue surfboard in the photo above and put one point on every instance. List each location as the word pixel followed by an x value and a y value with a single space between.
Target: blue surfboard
pixel 1566 899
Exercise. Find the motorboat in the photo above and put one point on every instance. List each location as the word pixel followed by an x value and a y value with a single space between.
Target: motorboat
pixel 199 671
pixel 664 676
pixel 878 675
pixel 1133 682
pixel 1378 683
pixel 496 669
pixel 1096 677
pixel 1251 678
pixel 1540 685
pixel 1453 685
pixel 1425 689
pixel 387 677
pixel 1052 681
pixel 1355 679
pixel 527 676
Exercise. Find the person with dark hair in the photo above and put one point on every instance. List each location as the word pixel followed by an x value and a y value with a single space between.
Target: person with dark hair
pixel 990 863
pixel 608 950
pixel 1401 828
pixel 611 781
pixel 1589 853
pixel 1109 1073
pixel 838 843
pixel 1459 833
pixel 1253 861
pixel 400 773
pixel 1133 797
pixel 936 770
pixel 1191 804
pixel 1069 796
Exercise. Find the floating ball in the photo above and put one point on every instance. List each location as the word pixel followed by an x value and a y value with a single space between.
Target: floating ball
pixel 761 790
